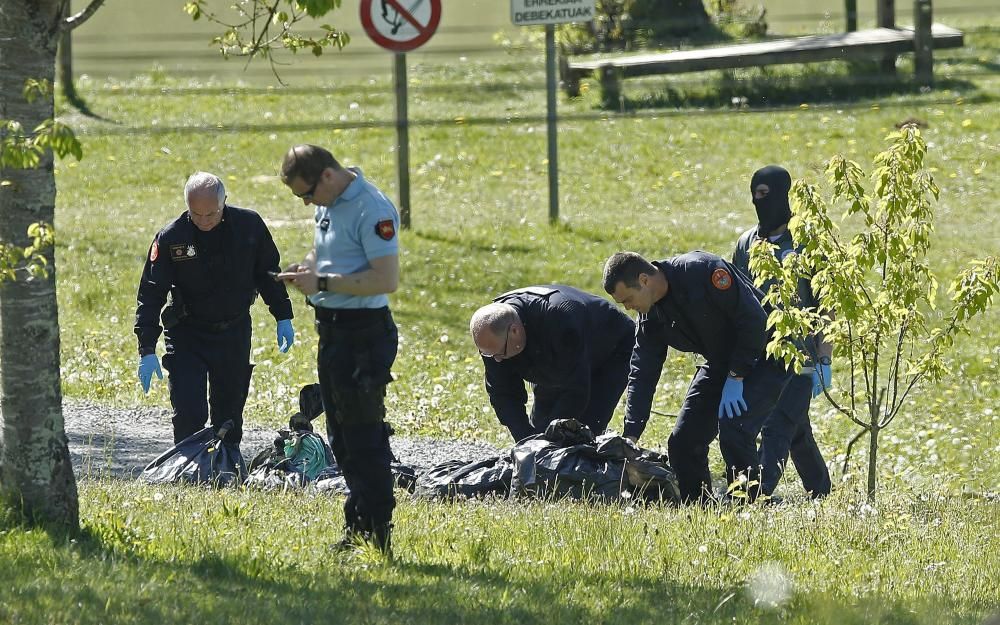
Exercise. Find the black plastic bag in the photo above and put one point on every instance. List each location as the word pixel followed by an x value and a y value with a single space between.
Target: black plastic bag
pixel 202 458
pixel 332 478
pixel 567 461
pixel 460 478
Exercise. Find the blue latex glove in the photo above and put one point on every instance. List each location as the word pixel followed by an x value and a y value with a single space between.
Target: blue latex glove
pixel 824 372
pixel 732 398
pixel 148 365
pixel 286 335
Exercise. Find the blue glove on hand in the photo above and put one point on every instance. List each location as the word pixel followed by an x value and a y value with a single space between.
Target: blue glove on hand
pixel 821 378
pixel 148 365
pixel 732 398
pixel 286 335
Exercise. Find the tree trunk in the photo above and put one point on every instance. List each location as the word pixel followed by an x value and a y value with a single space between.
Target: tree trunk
pixel 65 65
pixel 872 459
pixel 36 475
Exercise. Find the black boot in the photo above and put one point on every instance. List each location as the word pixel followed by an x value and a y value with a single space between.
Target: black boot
pixel 381 538
pixel 352 538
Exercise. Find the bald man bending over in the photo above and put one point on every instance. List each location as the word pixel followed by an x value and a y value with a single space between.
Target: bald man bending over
pixel 573 347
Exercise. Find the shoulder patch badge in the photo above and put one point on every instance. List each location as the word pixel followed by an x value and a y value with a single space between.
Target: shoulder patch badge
pixel 721 279
pixel 385 229
pixel 182 251
pixel 154 251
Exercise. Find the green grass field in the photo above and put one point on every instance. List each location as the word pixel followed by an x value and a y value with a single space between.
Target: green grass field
pixel 186 555
pixel 658 180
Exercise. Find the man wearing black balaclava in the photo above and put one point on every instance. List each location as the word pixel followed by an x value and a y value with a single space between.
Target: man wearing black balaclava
pixel 787 430
pixel 769 189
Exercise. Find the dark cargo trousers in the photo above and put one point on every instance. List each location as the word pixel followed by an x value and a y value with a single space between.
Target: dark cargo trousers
pixel 209 367
pixel 357 348
pixel 699 422
pixel 788 431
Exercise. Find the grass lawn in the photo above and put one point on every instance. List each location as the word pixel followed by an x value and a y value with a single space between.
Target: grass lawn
pixel 658 180
pixel 186 555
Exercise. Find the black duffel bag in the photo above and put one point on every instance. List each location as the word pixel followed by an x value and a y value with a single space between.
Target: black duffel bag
pixel 202 458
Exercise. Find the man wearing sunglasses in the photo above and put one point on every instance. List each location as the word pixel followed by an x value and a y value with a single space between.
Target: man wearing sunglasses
pixel 573 347
pixel 212 261
pixel 347 276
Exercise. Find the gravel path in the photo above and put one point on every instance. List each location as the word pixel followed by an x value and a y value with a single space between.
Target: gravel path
pixel 120 441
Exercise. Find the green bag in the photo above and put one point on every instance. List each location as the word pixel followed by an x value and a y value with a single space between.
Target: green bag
pixel 306 454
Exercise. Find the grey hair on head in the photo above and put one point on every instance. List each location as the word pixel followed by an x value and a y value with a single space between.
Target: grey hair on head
pixel 204 181
pixel 495 317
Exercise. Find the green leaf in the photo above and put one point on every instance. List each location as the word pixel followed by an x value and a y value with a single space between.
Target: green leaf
pixel 317 8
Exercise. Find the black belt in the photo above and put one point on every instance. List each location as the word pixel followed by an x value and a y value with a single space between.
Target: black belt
pixel 213 326
pixel 346 315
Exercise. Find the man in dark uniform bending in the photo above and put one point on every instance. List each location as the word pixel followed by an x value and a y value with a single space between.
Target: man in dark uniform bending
pixel 787 430
pixel 348 275
pixel 572 346
pixel 212 261
pixel 698 302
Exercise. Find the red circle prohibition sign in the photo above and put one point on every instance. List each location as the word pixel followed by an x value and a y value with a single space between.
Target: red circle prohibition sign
pixel 400 25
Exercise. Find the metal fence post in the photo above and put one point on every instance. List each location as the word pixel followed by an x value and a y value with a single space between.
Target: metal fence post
pixel 551 117
pixel 402 138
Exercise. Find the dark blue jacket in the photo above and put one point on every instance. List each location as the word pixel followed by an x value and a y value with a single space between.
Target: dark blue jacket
pixel 783 246
pixel 711 309
pixel 215 276
pixel 569 333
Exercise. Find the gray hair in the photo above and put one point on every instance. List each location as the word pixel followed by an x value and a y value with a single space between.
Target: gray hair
pixel 201 182
pixel 494 317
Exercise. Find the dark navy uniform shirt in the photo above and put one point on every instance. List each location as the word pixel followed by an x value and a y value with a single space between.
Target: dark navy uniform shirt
pixel 569 333
pixel 783 246
pixel 216 275
pixel 711 309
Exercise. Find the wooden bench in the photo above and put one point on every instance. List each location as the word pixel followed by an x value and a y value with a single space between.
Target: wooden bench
pixel 872 43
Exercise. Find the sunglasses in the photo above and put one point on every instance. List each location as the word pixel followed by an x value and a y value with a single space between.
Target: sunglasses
pixel 308 195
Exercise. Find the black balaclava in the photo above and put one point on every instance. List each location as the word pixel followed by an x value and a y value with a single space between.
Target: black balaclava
pixel 772 209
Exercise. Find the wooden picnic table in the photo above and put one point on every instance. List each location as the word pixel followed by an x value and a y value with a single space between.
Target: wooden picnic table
pixel 870 43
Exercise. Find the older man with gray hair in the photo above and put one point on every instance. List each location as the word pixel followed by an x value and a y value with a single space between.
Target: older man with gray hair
pixel 211 261
pixel 572 346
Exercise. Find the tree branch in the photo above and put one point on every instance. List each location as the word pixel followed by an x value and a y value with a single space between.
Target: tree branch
pixel 894 374
pixel 873 395
pixel 870 390
pixel 952 326
pixel 850 351
pixel 264 30
pixel 848 412
pixel 75 21
pixel 917 377
pixel 850 446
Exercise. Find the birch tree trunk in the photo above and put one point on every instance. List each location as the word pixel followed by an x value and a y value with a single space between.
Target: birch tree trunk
pixel 36 475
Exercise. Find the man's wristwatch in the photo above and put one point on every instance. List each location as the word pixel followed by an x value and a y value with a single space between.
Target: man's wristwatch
pixel 321 283
pixel 735 375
